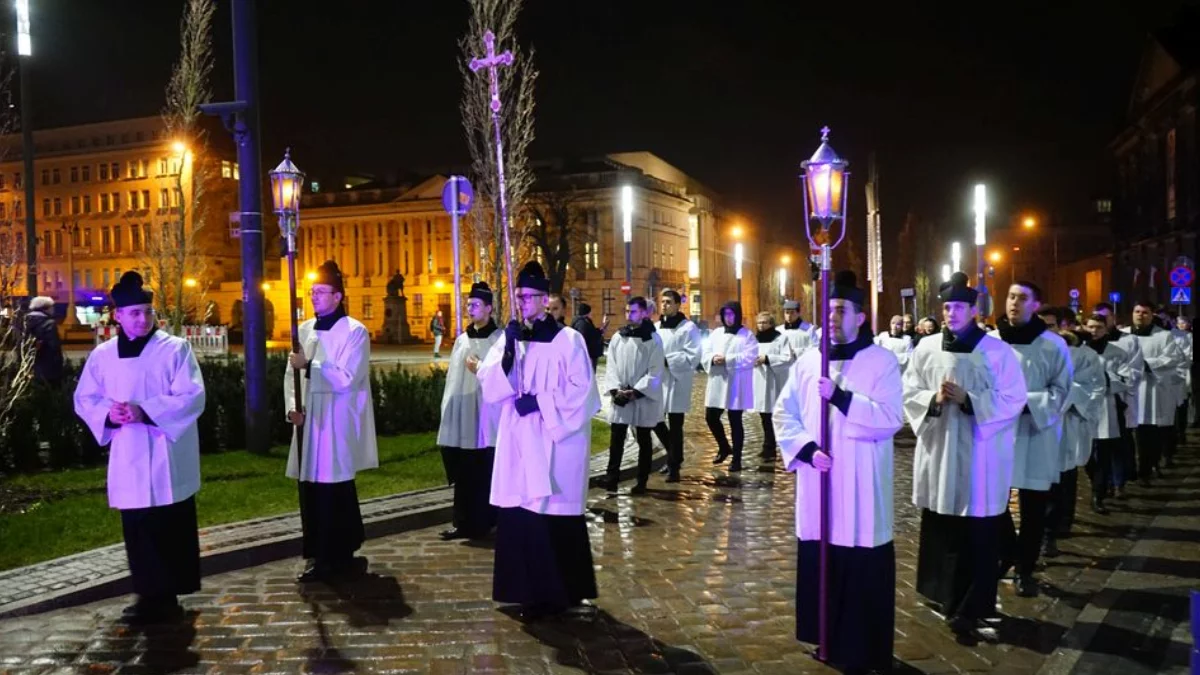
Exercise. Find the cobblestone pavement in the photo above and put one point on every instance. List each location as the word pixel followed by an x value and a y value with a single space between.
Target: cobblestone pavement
pixel 694 578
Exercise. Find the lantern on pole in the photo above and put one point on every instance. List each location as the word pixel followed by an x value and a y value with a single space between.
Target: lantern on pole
pixel 287 181
pixel 824 182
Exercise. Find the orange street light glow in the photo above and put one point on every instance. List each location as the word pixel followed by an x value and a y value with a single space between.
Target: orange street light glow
pixel 786 259
pixel 736 231
pixel 266 286
pixel 1030 223
pixel 311 276
pixel 995 256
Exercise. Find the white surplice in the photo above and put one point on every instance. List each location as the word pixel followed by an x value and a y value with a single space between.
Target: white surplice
pixel 730 384
pixel 900 346
pixel 542 458
pixel 861 476
pixel 1085 404
pixel 1158 390
pixel 467 421
pixel 772 376
pixel 800 338
pixel 1137 364
pixel 681 347
pixel 1117 383
pixel 635 363
pixel 339 425
pixel 156 463
pixel 963 462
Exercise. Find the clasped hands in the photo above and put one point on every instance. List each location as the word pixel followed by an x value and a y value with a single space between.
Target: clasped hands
pixel 621 397
pixel 952 392
pixel 126 413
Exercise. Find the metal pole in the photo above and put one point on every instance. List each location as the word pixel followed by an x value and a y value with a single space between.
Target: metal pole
pixel 295 302
pixel 245 59
pixel 629 266
pixel 823 618
pixel 458 324
pixel 71 319
pixel 27 152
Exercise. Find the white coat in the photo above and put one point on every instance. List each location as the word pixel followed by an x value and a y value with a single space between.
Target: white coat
pixel 1046 364
pixel 801 338
pixel 1158 389
pixel 1118 383
pixel 1137 364
pixel 542 459
pixel 772 376
pixel 339 424
pixel 731 384
pixel 1184 374
pixel 861 476
pixel 154 464
pixel 900 346
pixel 635 363
pixel 963 462
pixel 468 422
pixel 1085 402
pixel 681 347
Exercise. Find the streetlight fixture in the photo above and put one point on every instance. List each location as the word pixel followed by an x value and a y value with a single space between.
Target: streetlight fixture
pixel 824 194
pixel 985 299
pixel 946 273
pixel 1030 222
pixel 25 52
pixel 627 234
pixel 956 256
pixel 739 253
pixel 286 184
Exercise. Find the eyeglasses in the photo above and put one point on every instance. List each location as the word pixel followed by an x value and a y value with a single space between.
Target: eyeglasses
pixel 526 297
pixel 320 291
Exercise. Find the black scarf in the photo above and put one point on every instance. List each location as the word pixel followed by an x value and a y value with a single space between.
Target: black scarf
pixel 847 350
pixel 543 330
pixel 1098 344
pixel 485 332
pixel 1021 335
pixel 795 325
pixel 962 344
pixel 766 335
pixel 643 330
pixel 1143 331
pixel 326 322
pixel 131 349
pixel 672 322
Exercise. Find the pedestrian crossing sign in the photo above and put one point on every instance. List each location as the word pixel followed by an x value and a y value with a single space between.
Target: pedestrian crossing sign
pixel 1181 296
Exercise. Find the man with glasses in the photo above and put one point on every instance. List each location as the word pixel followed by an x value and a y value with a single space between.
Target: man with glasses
pixel 336 420
pixel 141 394
pixel 543 556
pixel 467 433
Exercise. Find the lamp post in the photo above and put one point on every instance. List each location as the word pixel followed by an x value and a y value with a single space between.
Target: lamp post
pixel 69 232
pixel 955 257
pixel 984 305
pixel 286 184
pixel 25 52
pixel 824 181
pixel 739 255
pixel 627 234
pixel 784 261
pixel 947 271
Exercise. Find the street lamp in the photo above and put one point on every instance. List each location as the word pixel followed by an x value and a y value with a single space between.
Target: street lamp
pixel 1030 222
pixel 286 184
pixel 25 51
pixel 627 234
pixel 984 300
pixel 946 273
pixel 956 256
pixel 824 194
pixel 739 253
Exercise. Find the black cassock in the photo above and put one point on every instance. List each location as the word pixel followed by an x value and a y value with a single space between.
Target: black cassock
pixel 862 602
pixel 332 522
pixel 958 563
pixel 163 547
pixel 542 560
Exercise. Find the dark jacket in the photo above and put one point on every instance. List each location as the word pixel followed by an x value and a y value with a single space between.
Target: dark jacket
pixel 592 337
pixel 48 364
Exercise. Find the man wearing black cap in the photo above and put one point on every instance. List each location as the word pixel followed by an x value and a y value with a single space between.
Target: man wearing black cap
pixel 1046 365
pixel 141 394
pixel 963 393
pixel 467 432
pixel 540 480
pixel 865 390
pixel 729 359
pixel 336 419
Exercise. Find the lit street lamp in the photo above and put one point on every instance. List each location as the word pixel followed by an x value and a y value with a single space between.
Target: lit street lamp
pixel 984 300
pixel 25 52
pixel 286 184
pixel 739 253
pixel 946 272
pixel 627 234
pixel 956 256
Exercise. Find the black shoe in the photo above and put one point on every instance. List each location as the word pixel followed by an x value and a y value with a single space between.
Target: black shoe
pixel 312 572
pixel 1099 507
pixel 735 466
pixel 149 611
pixel 722 455
pixel 452 534
pixel 672 477
pixel 1050 549
pixel 612 482
pixel 665 469
pixel 639 489
pixel 1027 586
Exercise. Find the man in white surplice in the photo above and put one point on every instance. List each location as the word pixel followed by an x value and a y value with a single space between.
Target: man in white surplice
pixel 896 341
pixel 681 348
pixel 963 393
pixel 1157 391
pixel 543 555
pixel 141 395
pixel 467 433
pixel 633 381
pixel 336 419
pixel 865 394
pixel 728 358
pixel 775 359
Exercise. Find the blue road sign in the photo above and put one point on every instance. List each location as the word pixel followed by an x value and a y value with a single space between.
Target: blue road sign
pixel 457 196
pixel 1074 293
pixel 1181 296
pixel 1114 297
pixel 1181 276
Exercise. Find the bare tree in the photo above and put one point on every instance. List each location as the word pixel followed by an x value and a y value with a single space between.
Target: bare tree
pixel 554 230
pixel 172 253
pixel 516 84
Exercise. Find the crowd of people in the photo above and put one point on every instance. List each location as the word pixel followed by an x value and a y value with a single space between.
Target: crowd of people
pixel 1018 407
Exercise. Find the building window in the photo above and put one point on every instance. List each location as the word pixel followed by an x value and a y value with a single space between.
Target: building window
pixel 87 278
pixel 116 238
pixel 606 301
pixel 87 173
pixel 74 174
pixel 176 197
pixel 132 169
pixel 47 244
pixel 45 176
pixel 591 255
pixel 694 310
pixel 162 166
pixel 58 206
pixel 429 263
pixel 368 310
pixel 75 237
pixel 46 280
pixel 3 210
pixel 226 169
pixel 103 172
pixel 58 242
pixel 17 180
pixel 133 200
pixel 114 170
pixel 75 205
pixel 105 240
pixel 17 208
pixel 164 198
pixel 145 235
pixel 57 177
pixel 104 203
pixel 143 168
pixel 104 276
pixel 87 203
pixel 428 227
pixel 46 206
pixel 135 237
pixel 145 199
pixel 87 238
pixel 116 201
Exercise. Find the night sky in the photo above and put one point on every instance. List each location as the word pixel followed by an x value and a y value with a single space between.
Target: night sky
pixel 1022 95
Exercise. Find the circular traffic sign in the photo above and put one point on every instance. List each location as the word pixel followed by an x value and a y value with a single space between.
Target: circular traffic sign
pixel 457 196
pixel 1181 277
pixel 1074 294
pixel 625 287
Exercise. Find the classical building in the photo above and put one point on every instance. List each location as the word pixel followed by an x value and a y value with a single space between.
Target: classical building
pixel 101 192
pixel 681 238
pixel 1157 206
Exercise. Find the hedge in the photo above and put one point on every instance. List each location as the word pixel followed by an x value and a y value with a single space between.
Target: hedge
pixel 46 434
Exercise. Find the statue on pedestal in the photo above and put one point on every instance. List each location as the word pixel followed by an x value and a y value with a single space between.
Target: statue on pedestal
pixel 395 287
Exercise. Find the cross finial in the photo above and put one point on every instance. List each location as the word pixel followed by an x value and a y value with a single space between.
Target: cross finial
pixel 287 153
pixel 824 134
pixel 492 61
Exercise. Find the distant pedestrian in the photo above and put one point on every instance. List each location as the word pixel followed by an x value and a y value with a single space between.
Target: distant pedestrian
pixel 41 328
pixel 593 337
pixel 437 328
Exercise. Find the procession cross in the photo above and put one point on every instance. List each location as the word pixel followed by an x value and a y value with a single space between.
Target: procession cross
pixel 492 61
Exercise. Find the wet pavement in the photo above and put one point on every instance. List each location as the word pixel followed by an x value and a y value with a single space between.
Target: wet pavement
pixel 697 577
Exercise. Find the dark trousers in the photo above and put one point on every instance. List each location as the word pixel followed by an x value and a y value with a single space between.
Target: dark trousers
pixel 713 417
pixel 473 511
pixel 672 439
pixel 1123 467
pixel 1060 507
pixel 769 445
pixel 331 522
pixel 1149 447
pixel 1025 546
pixel 616 450
pixel 1181 419
pixel 1100 466
pixel 162 545
pixel 1170 439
